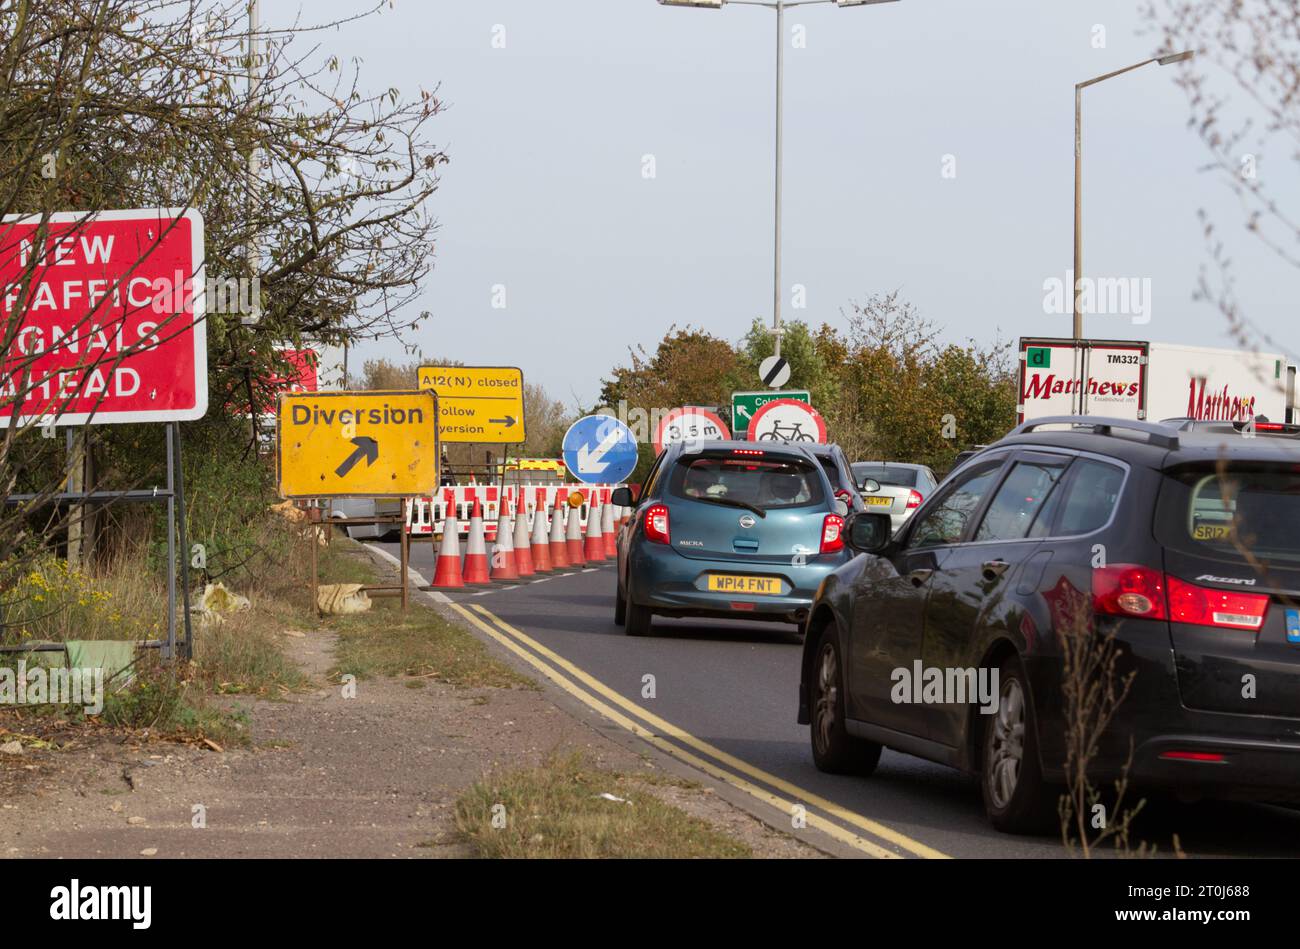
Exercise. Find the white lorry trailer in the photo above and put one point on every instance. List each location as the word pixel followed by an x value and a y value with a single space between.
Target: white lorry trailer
pixel 1133 379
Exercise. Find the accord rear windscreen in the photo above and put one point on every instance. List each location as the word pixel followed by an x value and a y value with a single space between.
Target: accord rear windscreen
pixel 1240 511
pixel 759 480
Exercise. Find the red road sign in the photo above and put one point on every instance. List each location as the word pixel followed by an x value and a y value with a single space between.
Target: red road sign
pixel 112 318
pixel 787 420
pixel 689 424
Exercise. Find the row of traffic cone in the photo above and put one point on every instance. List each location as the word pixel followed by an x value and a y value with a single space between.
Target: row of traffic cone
pixel 519 553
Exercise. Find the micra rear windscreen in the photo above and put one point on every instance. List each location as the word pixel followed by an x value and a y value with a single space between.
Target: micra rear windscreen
pixel 765 480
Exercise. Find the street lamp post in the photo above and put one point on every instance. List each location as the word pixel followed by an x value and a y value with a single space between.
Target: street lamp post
pixel 1078 168
pixel 780 6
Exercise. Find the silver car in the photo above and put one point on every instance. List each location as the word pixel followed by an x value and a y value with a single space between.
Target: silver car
pixel 341 508
pixel 901 488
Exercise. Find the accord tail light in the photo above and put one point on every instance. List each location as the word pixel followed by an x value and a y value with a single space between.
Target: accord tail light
pixel 1126 589
pixel 1207 757
pixel 1202 606
pixel 832 534
pixel 656 523
pixel 1129 590
pixel 914 499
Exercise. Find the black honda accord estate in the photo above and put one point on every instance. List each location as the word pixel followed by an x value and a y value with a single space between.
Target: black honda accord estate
pixel 1174 545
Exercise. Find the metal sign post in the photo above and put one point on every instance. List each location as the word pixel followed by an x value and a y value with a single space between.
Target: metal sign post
pixel 402 588
pixel 174 496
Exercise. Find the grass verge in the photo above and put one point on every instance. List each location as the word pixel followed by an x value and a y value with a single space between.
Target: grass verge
pixel 420 645
pixel 557 811
pixel 123 600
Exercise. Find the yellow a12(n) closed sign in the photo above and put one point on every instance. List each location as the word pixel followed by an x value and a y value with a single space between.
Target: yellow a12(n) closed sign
pixel 357 444
pixel 477 403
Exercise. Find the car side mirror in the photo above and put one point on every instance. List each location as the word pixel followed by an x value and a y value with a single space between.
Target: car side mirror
pixel 870 485
pixel 622 497
pixel 869 532
pixel 841 507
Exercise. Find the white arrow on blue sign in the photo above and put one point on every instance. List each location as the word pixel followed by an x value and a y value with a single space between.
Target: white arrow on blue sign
pixel 599 449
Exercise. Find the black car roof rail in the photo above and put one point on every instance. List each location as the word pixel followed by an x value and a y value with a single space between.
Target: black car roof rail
pixel 1165 436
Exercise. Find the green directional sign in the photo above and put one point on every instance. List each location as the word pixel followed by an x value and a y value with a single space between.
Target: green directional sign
pixel 745 404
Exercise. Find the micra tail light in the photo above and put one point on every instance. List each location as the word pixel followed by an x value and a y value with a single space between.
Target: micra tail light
pixel 656 523
pixel 1202 606
pixel 832 534
pixel 914 499
pixel 1126 589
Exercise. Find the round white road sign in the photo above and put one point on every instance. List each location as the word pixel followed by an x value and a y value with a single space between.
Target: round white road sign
pixel 689 424
pixel 774 371
pixel 787 420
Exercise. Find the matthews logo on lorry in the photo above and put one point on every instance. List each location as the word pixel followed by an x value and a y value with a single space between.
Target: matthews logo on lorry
pixel 1044 387
pixel 1220 405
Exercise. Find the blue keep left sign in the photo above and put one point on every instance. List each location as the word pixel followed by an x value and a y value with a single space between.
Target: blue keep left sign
pixel 599 449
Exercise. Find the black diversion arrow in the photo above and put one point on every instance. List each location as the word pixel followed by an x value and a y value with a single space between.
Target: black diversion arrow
pixel 508 421
pixel 367 448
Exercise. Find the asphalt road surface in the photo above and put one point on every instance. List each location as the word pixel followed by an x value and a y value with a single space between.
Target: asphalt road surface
pixel 733 686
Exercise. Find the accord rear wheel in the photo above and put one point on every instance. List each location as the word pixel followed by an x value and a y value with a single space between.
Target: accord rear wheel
pixel 834 749
pixel 1015 796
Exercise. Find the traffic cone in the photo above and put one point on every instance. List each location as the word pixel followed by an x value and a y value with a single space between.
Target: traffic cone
pixel 594 546
pixel 523 549
pixel 446 572
pixel 476 559
pixel 573 538
pixel 505 566
pixel 559 550
pixel 607 529
pixel 540 547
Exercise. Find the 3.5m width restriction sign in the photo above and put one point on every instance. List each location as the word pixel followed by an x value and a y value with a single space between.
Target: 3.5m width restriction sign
pixel 689 424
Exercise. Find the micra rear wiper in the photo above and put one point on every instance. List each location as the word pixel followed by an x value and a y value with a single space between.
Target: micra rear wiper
pixel 730 503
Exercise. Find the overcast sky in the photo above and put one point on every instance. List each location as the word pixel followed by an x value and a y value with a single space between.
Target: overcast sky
pixel 546 196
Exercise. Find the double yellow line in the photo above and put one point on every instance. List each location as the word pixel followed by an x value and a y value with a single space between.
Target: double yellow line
pixel 549 664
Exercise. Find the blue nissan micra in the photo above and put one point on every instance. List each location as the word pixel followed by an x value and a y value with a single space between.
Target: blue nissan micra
pixel 727 530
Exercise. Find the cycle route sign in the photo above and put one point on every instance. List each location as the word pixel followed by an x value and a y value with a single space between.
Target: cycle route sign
pixel 787 420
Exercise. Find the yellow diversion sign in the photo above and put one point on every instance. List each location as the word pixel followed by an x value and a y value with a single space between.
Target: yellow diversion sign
pixel 477 403
pixel 357 444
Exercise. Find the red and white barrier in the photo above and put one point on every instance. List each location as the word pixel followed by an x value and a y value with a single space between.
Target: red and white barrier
pixel 429 514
